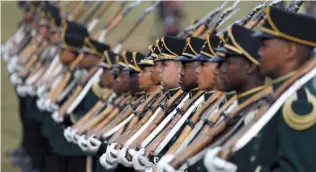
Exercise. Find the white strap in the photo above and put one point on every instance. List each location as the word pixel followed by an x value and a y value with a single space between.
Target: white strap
pixel 92 24
pixel 163 123
pixel 119 126
pixel 176 128
pixel 253 131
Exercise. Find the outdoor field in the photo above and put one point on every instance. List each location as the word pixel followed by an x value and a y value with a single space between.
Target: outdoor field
pixel 138 41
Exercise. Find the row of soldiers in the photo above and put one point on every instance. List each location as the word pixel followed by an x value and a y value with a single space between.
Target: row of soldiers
pixel 195 102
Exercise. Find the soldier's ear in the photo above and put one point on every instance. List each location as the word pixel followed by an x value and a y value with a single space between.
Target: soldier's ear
pixel 252 68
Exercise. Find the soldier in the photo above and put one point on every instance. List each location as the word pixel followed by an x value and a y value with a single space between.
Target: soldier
pixel 286 143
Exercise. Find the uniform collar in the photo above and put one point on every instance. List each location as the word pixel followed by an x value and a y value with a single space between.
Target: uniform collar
pixel 245 95
pixel 193 91
pixel 207 94
pixel 125 94
pixel 171 92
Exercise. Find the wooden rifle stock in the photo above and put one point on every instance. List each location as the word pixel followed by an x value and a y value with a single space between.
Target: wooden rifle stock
pixel 93 12
pixel 194 119
pixel 27 52
pixel 93 110
pixel 160 116
pixel 199 31
pixel 77 91
pixel 211 130
pixel 155 143
pixel 125 113
pixel 55 93
pixel 37 67
pixel 135 124
pixel 146 117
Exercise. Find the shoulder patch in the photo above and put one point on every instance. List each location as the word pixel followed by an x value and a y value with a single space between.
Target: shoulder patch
pixel 300 114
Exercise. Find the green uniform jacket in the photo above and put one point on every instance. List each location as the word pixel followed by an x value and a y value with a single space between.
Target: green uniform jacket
pixel 285 145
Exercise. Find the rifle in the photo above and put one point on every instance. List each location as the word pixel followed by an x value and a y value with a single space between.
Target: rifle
pixel 194 119
pixel 140 19
pixel 112 108
pixel 180 113
pixel 138 115
pixel 204 21
pixel 91 13
pixel 70 7
pixel 165 108
pixel 128 109
pixel 220 18
pixel 98 15
pixel 120 18
pixel 101 34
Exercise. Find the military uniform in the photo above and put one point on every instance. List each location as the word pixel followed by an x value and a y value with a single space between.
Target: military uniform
pixel 286 142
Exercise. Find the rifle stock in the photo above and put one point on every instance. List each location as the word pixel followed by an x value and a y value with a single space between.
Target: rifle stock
pixel 194 119
pixel 210 131
pixel 93 110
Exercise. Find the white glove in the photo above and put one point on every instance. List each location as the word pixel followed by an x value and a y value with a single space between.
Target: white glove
pixel 83 143
pixel 105 164
pixel 111 154
pixel 163 164
pixel 76 138
pixel 216 164
pixel 40 90
pixel 93 144
pixel 30 91
pixel 40 104
pixel 122 158
pixel 57 118
pixel 145 161
pixel 15 79
pixel 21 90
pixel 72 134
pixel 66 134
pixel 137 165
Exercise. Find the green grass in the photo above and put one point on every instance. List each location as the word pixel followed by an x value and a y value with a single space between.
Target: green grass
pixel 138 41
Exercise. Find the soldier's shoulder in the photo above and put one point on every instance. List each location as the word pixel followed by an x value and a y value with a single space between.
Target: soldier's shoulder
pixel 299 111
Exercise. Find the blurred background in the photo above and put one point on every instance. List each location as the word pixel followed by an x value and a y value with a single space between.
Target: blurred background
pixel 168 19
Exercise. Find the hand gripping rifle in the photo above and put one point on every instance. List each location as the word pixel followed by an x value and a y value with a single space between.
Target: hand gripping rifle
pixel 204 21
pixel 140 19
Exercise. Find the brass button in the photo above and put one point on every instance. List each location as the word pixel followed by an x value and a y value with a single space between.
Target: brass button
pixel 253 158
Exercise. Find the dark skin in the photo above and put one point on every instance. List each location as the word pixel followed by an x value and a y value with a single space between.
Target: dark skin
pixel 237 73
pixel 205 76
pixel 53 37
pixel 123 81
pixel 106 79
pixel 133 82
pixel 89 60
pixel 279 57
pixel 188 77
pixel 155 74
pixel 144 80
pixel 67 56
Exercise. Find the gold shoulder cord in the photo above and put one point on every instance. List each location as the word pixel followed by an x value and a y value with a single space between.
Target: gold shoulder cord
pixel 299 122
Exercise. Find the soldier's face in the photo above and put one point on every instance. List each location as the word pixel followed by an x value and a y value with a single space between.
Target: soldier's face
pixel 169 72
pixel 123 80
pixel 155 74
pixel 53 37
pixel 272 52
pixel 144 80
pixel 133 80
pixel 205 75
pixel 66 56
pixel 89 61
pixel 106 78
pixel 188 79
pixel 230 74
